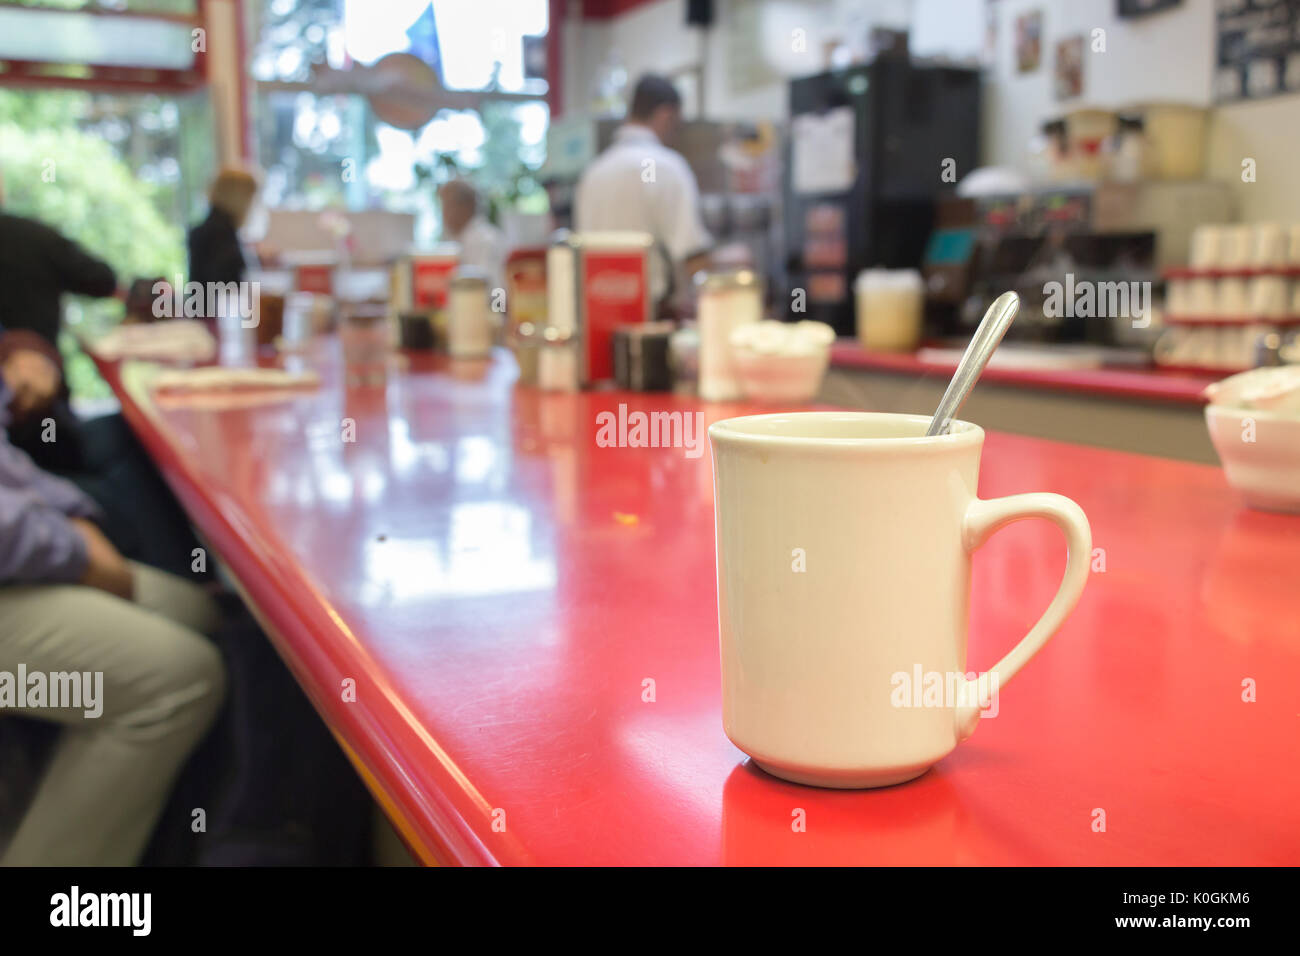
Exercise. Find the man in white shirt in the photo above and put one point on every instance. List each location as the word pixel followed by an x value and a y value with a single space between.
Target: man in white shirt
pixel 482 245
pixel 640 184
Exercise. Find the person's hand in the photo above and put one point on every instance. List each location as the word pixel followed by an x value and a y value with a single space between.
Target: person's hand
pixel 267 254
pixel 107 569
pixel 33 379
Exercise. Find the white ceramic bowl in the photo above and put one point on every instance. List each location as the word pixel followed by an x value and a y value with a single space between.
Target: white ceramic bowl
pixel 1266 471
pixel 780 378
pixel 781 361
pixel 1267 389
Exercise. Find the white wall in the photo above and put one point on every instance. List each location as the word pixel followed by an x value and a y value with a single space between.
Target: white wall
pixel 950 28
pixel 1267 131
pixel 1167 57
pixel 655 37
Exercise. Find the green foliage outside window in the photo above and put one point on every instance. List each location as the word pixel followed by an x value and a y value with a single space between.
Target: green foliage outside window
pixel 60 168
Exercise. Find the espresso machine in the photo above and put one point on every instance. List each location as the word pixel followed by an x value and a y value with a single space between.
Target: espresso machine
pixel 1045 242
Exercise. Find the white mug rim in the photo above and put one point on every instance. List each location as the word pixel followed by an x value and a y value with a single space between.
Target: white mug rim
pixel 962 434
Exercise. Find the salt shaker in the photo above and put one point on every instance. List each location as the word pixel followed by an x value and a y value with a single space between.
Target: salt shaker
pixel 469 320
pixel 557 365
pixel 727 300
pixel 526 343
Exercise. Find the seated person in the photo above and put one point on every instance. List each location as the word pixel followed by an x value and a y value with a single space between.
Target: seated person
pixel 38 266
pixel 71 603
pixel 138 513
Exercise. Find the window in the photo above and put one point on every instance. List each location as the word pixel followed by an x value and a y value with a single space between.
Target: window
pixel 121 174
pixel 322 144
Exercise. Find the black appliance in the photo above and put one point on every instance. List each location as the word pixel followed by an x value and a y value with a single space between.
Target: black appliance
pixel 908 121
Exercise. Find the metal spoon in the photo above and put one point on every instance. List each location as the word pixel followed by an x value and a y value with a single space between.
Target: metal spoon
pixel 992 327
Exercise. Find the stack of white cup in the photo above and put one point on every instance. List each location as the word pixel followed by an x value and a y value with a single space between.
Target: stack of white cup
pixel 1243 281
pixel 1240 272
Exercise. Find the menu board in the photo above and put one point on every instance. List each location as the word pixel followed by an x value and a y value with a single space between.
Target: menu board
pixel 822 152
pixel 1258 49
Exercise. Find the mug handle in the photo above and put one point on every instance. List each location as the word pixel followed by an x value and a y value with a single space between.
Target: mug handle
pixel 983 517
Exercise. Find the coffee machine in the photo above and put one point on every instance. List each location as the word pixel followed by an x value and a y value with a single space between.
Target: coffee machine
pixel 871 148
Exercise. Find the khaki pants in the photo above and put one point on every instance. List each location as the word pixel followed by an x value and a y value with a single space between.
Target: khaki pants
pixel 163 684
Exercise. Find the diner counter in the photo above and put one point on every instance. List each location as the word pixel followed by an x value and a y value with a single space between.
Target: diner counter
pixel 1151 411
pixel 1145 384
pixel 475 596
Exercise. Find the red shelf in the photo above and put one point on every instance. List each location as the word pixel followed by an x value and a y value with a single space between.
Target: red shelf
pixel 1154 384
pixel 1229 321
pixel 1247 272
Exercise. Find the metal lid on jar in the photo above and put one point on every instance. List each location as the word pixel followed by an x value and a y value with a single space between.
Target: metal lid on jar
pixel 441 253
pixel 645 330
pixel 719 280
pixel 527 334
pixel 468 277
pixel 603 240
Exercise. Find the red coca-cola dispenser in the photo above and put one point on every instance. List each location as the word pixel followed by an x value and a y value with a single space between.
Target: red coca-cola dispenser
pixel 597 281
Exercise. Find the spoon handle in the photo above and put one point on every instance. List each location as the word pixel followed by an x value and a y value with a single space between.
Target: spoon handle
pixel 991 329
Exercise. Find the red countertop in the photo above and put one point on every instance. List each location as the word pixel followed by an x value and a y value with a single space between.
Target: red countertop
pixel 1150 384
pixel 498 588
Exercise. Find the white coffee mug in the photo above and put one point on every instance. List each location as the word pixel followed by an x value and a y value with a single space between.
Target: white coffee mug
pixel 1293 245
pixel 1178 298
pixel 1233 298
pixel 844 544
pixel 1268 296
pixel 1237 247
pixel 1271 245
pixel 1207 246
pixel 1203 298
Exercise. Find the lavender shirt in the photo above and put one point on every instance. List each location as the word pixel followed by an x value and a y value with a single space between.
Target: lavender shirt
pixel 37 541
